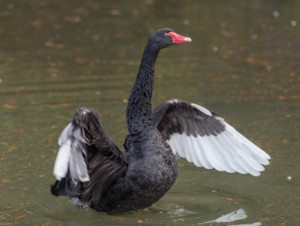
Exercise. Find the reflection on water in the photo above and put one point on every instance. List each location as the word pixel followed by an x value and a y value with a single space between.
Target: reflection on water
pixel 237 215
pixel 243 64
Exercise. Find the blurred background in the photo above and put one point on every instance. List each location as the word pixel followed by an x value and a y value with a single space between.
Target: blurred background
pixel 243 64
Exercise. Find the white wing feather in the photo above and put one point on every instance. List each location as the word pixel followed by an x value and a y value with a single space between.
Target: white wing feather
pixel 64 136
pixel 228 151
pixel 61 164
pixel 69 156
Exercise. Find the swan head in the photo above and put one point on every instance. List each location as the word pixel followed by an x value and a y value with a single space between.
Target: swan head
pixel 166 37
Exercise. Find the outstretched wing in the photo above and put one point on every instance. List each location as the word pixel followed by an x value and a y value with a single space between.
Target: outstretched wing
pixel 200 136
pixel 87 161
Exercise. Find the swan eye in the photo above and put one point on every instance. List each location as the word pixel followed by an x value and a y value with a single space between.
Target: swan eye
pixel 166 34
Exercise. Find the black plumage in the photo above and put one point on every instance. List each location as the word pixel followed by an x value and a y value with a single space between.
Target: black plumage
pixel 120 181
pixel 91 170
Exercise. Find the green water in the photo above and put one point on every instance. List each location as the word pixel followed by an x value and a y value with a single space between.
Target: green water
pixel 243 64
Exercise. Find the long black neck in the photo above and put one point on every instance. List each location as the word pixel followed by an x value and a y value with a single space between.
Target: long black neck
pixel 139 107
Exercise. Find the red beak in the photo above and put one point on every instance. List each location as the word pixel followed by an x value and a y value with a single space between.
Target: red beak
pixel 178 38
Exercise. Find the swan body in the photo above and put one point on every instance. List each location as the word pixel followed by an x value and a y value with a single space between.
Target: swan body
pixel 91 170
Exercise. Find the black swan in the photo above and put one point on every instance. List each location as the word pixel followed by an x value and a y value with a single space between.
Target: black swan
pixel 91 170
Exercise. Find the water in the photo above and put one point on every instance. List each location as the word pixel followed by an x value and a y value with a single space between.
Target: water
pixel 243 63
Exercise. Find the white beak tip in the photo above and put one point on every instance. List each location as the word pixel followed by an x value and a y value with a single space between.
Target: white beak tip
pixel 187 39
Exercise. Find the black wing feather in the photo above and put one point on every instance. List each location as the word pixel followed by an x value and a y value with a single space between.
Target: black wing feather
pixel 104 161
pixel 177 116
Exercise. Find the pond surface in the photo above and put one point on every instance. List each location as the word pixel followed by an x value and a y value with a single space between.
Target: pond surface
pixel 243 64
